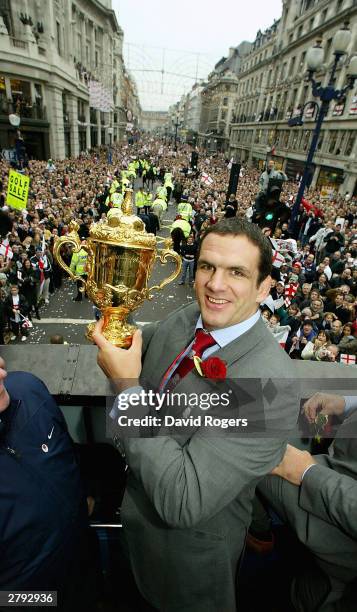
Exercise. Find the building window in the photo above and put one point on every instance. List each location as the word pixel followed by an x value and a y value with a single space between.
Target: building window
pixel 350 143
pixel 65 109
pixel 285 141
pixel 305 140
pixel 328 50
pixel 96 59
pixel 299 32
pixel 292 66
pixel 332 141
pixel 321 140
pixel 324 15
pixel 311 24
pixel 339 6
pixel 225 101
pixel 3 99
pixel 58 35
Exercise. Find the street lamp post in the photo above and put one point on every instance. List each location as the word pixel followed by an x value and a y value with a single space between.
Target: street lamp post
pixel 176 127
pixel 314 59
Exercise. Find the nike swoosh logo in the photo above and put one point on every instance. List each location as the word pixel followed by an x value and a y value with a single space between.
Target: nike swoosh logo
pixel 50 434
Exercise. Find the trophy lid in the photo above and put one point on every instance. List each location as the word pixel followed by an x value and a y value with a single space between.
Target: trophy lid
pixel 123 228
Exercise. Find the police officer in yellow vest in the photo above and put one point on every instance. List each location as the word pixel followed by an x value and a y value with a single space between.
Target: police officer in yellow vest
pixel 114 186
pixel 148 201
pixel 162 192
pixel 180 230
pixel 158 208
pixel 168 184
pixel 140 200
pixel 185 210
pixel 117 199
pixel 79 267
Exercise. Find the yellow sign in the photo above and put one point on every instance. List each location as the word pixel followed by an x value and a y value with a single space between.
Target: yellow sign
pixel 17 190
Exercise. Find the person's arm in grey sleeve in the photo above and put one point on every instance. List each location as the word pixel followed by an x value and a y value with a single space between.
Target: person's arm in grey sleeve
pixel 330 496
pixel 350 403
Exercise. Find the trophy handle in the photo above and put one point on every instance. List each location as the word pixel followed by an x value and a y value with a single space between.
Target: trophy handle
pixel 164 255
pixel 73 239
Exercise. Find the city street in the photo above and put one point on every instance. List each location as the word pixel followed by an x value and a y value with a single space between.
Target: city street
pixel 68 318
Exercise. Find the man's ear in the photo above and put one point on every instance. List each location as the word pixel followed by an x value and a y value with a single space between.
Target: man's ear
pixel 264 289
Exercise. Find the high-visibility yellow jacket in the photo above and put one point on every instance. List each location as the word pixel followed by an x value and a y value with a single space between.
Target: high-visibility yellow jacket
pixel 117 199
pixel 148 199
pixel 184 225
pixel 162 192
pixel 161 202
pixel 79 263
pixel 185 210
pixel 114 186
pixel 168 180
pixel 140 199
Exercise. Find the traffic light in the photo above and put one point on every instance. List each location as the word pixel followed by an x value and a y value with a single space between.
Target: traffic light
pixel 194 160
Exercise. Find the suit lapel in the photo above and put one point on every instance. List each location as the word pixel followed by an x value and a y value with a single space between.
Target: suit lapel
pixel 233 351
pixel 175 338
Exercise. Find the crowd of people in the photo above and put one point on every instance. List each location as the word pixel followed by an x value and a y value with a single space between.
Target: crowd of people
pixel 314 287
pixel 189 500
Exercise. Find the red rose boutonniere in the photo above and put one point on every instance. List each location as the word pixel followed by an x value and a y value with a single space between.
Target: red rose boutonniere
pixel 213 368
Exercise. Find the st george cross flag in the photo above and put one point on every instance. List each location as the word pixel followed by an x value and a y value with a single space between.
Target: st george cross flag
pixel 282 335
pixel 348 359
pixel 6 250
pixel 278 258
pixel 289 293
pixel 206 179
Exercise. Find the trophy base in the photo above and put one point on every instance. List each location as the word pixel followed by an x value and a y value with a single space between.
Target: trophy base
pixel 115 329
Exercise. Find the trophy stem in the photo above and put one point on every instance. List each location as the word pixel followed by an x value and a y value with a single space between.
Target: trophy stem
pixel 116 329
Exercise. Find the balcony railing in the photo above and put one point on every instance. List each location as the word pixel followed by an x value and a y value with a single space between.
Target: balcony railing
pixel 25 109
pixel 19 44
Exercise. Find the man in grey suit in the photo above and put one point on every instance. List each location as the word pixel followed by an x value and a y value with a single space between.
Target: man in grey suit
pixel 317 497
pixel 187 505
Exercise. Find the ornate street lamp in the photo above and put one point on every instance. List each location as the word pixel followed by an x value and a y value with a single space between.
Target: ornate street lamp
pixel 314 60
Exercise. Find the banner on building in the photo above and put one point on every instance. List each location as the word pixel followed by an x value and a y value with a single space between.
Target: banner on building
pixel 99 97
pixel 353 107
pixel 338 109
pixel 17 190
pixel 309 111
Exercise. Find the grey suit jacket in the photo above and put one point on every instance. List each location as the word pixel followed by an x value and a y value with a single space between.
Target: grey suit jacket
pixel 187 504
pixel 329 490
pixel 323 510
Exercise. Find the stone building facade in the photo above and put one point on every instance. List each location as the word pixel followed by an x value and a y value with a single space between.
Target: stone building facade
pixel 273 89
pixel 62 72
pixel 218 100
pixel 154 121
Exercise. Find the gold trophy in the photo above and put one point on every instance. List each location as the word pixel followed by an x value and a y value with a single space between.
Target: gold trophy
pixel 121 256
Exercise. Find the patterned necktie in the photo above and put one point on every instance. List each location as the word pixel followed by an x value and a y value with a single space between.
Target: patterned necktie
pixel 203 340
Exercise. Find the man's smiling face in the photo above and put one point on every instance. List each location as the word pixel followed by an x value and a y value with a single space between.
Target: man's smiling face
pixel 226 283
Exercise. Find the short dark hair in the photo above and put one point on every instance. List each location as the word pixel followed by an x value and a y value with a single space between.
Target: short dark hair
pixel 235 226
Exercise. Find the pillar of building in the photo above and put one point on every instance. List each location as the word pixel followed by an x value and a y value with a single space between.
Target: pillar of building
pixel 72 106
pixel 99 124
pixel 315 176
pixel 87 113
pixel 55 118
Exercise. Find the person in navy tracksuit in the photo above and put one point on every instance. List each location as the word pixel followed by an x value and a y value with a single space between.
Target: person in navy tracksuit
pixel 43 517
